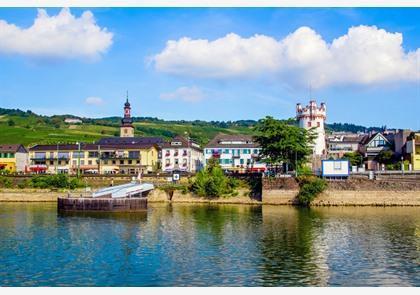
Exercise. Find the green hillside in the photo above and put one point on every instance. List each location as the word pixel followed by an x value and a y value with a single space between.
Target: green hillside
pixel 33 129
pixel 28 128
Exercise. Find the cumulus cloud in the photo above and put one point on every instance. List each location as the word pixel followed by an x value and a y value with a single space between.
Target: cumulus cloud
pixel 187 94
pixel 92 100
pixel 365 55
pixel 61 36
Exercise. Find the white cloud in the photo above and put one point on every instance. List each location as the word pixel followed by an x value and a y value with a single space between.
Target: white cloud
pixel 92 100
pixel 365 55
pixel 60 36
pixel 187 94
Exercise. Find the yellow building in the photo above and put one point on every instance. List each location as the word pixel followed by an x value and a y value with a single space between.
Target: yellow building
pixel 13 158
pixel 94 158
pixel 413 149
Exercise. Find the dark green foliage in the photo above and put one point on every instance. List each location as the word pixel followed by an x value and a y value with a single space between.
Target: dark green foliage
pixel 171 187
pixel 309 188
pixel 11 123
pixel 355 158
pixel 338 127
pixel 212 183
pixel 5 182
pixel 55 181
pixel 282 142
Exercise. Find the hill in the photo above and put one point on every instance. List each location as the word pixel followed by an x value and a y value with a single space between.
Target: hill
pixel 28 128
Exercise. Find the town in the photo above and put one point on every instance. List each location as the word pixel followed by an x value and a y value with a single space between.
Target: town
pixel 130 155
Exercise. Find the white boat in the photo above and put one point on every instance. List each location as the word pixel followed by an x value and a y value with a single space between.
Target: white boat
pixel 132 189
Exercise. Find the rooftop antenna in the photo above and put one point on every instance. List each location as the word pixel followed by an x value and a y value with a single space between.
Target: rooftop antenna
pixel 127 95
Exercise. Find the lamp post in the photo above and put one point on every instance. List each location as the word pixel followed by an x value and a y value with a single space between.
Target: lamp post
pixel 78 160
pixel 402 165
pixel 56 161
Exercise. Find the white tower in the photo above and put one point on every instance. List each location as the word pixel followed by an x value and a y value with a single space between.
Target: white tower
pixel 313 117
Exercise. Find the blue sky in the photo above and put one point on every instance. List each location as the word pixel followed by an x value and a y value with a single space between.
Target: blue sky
pixel 58 73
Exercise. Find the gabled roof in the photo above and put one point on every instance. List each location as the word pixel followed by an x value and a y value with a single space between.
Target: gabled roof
pixel 368 138
pixel 12 148
pixel 232 141
pixel 183 143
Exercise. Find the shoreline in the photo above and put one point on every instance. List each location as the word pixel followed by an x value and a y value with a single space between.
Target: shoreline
pixel 269 197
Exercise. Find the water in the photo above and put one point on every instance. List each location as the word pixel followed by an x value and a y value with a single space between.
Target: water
pixel 201 245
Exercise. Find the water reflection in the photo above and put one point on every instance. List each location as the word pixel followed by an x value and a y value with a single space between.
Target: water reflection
pixel 205 245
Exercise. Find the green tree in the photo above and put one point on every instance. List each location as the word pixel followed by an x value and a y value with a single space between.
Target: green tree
pixel 385 157
pixel 11 122
pixel 212 183
pixel 355 158
pixel 282 142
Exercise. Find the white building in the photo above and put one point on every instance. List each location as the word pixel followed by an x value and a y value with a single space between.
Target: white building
pixel 182 154
pixel 72 121
pixel 237 153
pixel 313 117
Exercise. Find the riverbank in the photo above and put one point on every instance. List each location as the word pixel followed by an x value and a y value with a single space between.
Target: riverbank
pixel 331 197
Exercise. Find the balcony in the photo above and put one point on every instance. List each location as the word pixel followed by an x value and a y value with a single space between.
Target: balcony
pixel 118 157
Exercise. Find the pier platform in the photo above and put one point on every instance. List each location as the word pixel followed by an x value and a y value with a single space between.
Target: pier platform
pixel 101 204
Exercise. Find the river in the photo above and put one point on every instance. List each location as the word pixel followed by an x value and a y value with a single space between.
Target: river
pixel 210 245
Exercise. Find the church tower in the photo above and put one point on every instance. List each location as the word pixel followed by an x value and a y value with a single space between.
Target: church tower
pixel 127 128
pixel 313 116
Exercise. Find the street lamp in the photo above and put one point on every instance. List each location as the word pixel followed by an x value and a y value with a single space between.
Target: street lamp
pixel 78 160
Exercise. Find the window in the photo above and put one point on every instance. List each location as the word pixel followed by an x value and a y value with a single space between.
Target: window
pixel 63 155
pixel 241 161
pixel 138 161
pixel 82 162
pixel 74 162
pixel 121 162
pixel 309 124
pixel 106 162
pixel 125 131
pixel 130 162
pixel 51 162
pixel 255 151
pixel 176 161
pixel 134 154
pixel 90 162
pixel 40 156
pixel 114 162
pixel 337 165
pixel 226 151
pixel 93 154
pixel 318 124
pixel 78 154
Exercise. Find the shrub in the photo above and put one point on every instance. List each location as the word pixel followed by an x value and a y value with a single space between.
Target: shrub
pixel 212 183
pixel 309 188
pixel 304 171
pixel 5 182
pixel 55 181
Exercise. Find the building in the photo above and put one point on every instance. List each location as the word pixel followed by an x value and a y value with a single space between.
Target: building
pixel 335 168
pixel 413 150
pixel 400 140
pixel 371 145
pixel 127 128
pixel 182 154
pixel 13 158
pixel 237 153
pixel 313 117
pixel 72 121
pixel 340 143
pixel 94 158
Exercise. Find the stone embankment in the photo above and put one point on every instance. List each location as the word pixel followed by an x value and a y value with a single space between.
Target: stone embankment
pixel 275 191
pixel 351 192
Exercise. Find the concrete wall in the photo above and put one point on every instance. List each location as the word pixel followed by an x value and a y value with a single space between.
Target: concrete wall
pixel 346 198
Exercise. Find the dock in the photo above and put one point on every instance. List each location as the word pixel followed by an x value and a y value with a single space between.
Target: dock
pixel 101 204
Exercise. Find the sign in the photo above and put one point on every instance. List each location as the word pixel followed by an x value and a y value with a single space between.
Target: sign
pixel 176 175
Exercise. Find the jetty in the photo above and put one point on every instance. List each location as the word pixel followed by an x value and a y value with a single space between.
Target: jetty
pixel 122 198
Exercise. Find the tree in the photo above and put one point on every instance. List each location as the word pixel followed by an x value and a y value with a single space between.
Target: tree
pixel 11 122
pixel 355 158
pixel 282 142
pixel 385 157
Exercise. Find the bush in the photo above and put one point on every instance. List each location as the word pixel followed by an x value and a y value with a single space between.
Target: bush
pixel 309 188
pixel 212 183
pixel 304 171
pixel 55 181
pixel 5 182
